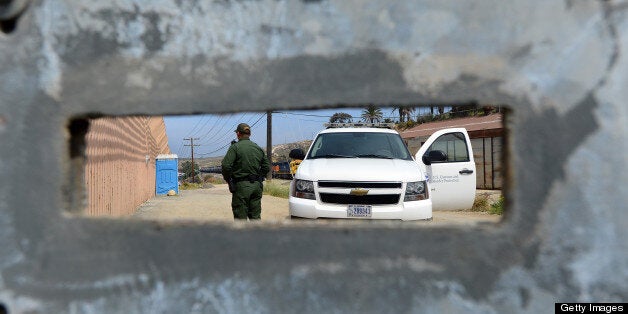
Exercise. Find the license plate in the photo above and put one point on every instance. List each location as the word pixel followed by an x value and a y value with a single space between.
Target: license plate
pixel 359 211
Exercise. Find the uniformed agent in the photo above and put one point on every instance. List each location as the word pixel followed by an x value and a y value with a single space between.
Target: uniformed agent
pixel 246 165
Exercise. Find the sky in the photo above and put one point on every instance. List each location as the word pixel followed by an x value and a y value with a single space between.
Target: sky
pixel 215 132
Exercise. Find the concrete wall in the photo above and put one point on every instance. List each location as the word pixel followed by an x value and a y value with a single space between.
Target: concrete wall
pixel 120 163
pixel 560 65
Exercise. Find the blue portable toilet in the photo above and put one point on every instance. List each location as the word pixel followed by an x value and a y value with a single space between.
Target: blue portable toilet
pixel 167 170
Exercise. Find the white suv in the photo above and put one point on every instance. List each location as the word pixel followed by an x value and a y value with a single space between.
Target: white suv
pixel 359 172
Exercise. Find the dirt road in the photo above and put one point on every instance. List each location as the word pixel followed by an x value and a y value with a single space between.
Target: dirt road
pixel 214 204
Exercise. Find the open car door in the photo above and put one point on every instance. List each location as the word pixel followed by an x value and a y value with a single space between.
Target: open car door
pixel 447 160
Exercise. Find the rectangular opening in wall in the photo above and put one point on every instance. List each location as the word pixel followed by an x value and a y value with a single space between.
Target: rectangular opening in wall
pixel 441 164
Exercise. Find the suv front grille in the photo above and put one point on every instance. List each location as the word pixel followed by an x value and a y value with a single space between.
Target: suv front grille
pixel 335 192
pixel 365 185
pixel 362 200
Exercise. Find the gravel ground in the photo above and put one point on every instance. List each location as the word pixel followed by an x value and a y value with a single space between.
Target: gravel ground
pixel 214 205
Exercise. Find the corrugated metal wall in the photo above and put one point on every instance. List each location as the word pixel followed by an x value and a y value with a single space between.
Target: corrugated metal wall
pixel 118 175
pixel 487 153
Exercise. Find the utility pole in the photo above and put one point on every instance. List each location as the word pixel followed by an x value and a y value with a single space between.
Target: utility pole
pixel 269 142
pixel 191 139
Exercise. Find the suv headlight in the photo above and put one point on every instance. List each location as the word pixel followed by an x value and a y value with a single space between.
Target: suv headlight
pixel 304 189
pixel 415 191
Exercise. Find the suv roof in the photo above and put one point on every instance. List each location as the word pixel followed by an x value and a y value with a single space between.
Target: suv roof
pixel 360 125
pixel 358 129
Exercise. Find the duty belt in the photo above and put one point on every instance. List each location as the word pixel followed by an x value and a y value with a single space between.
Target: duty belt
pixel 251 178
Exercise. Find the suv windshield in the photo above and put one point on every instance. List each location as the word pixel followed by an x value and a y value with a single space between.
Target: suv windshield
pixel 359 145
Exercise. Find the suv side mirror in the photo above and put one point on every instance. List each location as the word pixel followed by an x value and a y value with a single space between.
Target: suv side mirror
pixel 434 156
pixel 297 153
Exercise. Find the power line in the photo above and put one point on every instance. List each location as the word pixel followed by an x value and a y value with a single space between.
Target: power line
pixel 223 136
pixel 209 118
pixel 260 118
pixel 229 143
pixel 207 140
pixel 221 119
pixel 205 154
pixel 302 114
pixel 195 126
pixel 250 118
pixel 319 116
pixel 220 135
pixel 309 120
pixel 180 150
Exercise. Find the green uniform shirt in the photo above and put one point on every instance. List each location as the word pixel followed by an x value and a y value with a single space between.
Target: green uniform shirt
pixel 244 158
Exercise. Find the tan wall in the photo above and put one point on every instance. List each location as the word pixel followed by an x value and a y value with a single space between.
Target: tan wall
pixel 118 177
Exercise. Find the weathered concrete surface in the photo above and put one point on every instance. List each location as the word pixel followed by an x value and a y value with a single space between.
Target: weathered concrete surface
pixel 560 65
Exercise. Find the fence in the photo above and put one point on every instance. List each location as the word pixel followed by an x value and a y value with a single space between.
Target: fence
pixel 487 153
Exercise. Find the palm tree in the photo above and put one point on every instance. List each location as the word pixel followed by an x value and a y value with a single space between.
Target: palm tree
pixel 372 114
pixel 402 112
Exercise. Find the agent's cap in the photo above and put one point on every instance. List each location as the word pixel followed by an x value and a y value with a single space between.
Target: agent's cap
pixel 243 128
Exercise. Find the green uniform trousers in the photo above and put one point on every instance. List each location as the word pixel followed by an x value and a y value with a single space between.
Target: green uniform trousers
pixel 246 201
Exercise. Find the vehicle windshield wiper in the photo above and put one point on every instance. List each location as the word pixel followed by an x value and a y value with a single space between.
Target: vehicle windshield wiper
pixel 374 156
pixel 333 156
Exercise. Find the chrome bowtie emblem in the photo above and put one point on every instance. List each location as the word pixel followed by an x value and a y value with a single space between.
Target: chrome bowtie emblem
pixel 358 191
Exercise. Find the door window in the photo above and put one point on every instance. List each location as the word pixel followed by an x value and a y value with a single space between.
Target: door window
pixel 452 144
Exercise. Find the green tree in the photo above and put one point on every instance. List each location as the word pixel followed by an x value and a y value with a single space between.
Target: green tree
pixel 188 170
pixel 341 117
pixel 372 114
pixel 464 111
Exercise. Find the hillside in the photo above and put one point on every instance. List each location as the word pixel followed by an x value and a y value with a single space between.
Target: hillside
pixel 280 152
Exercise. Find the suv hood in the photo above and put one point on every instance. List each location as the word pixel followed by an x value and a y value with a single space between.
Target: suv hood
pixel 359 169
